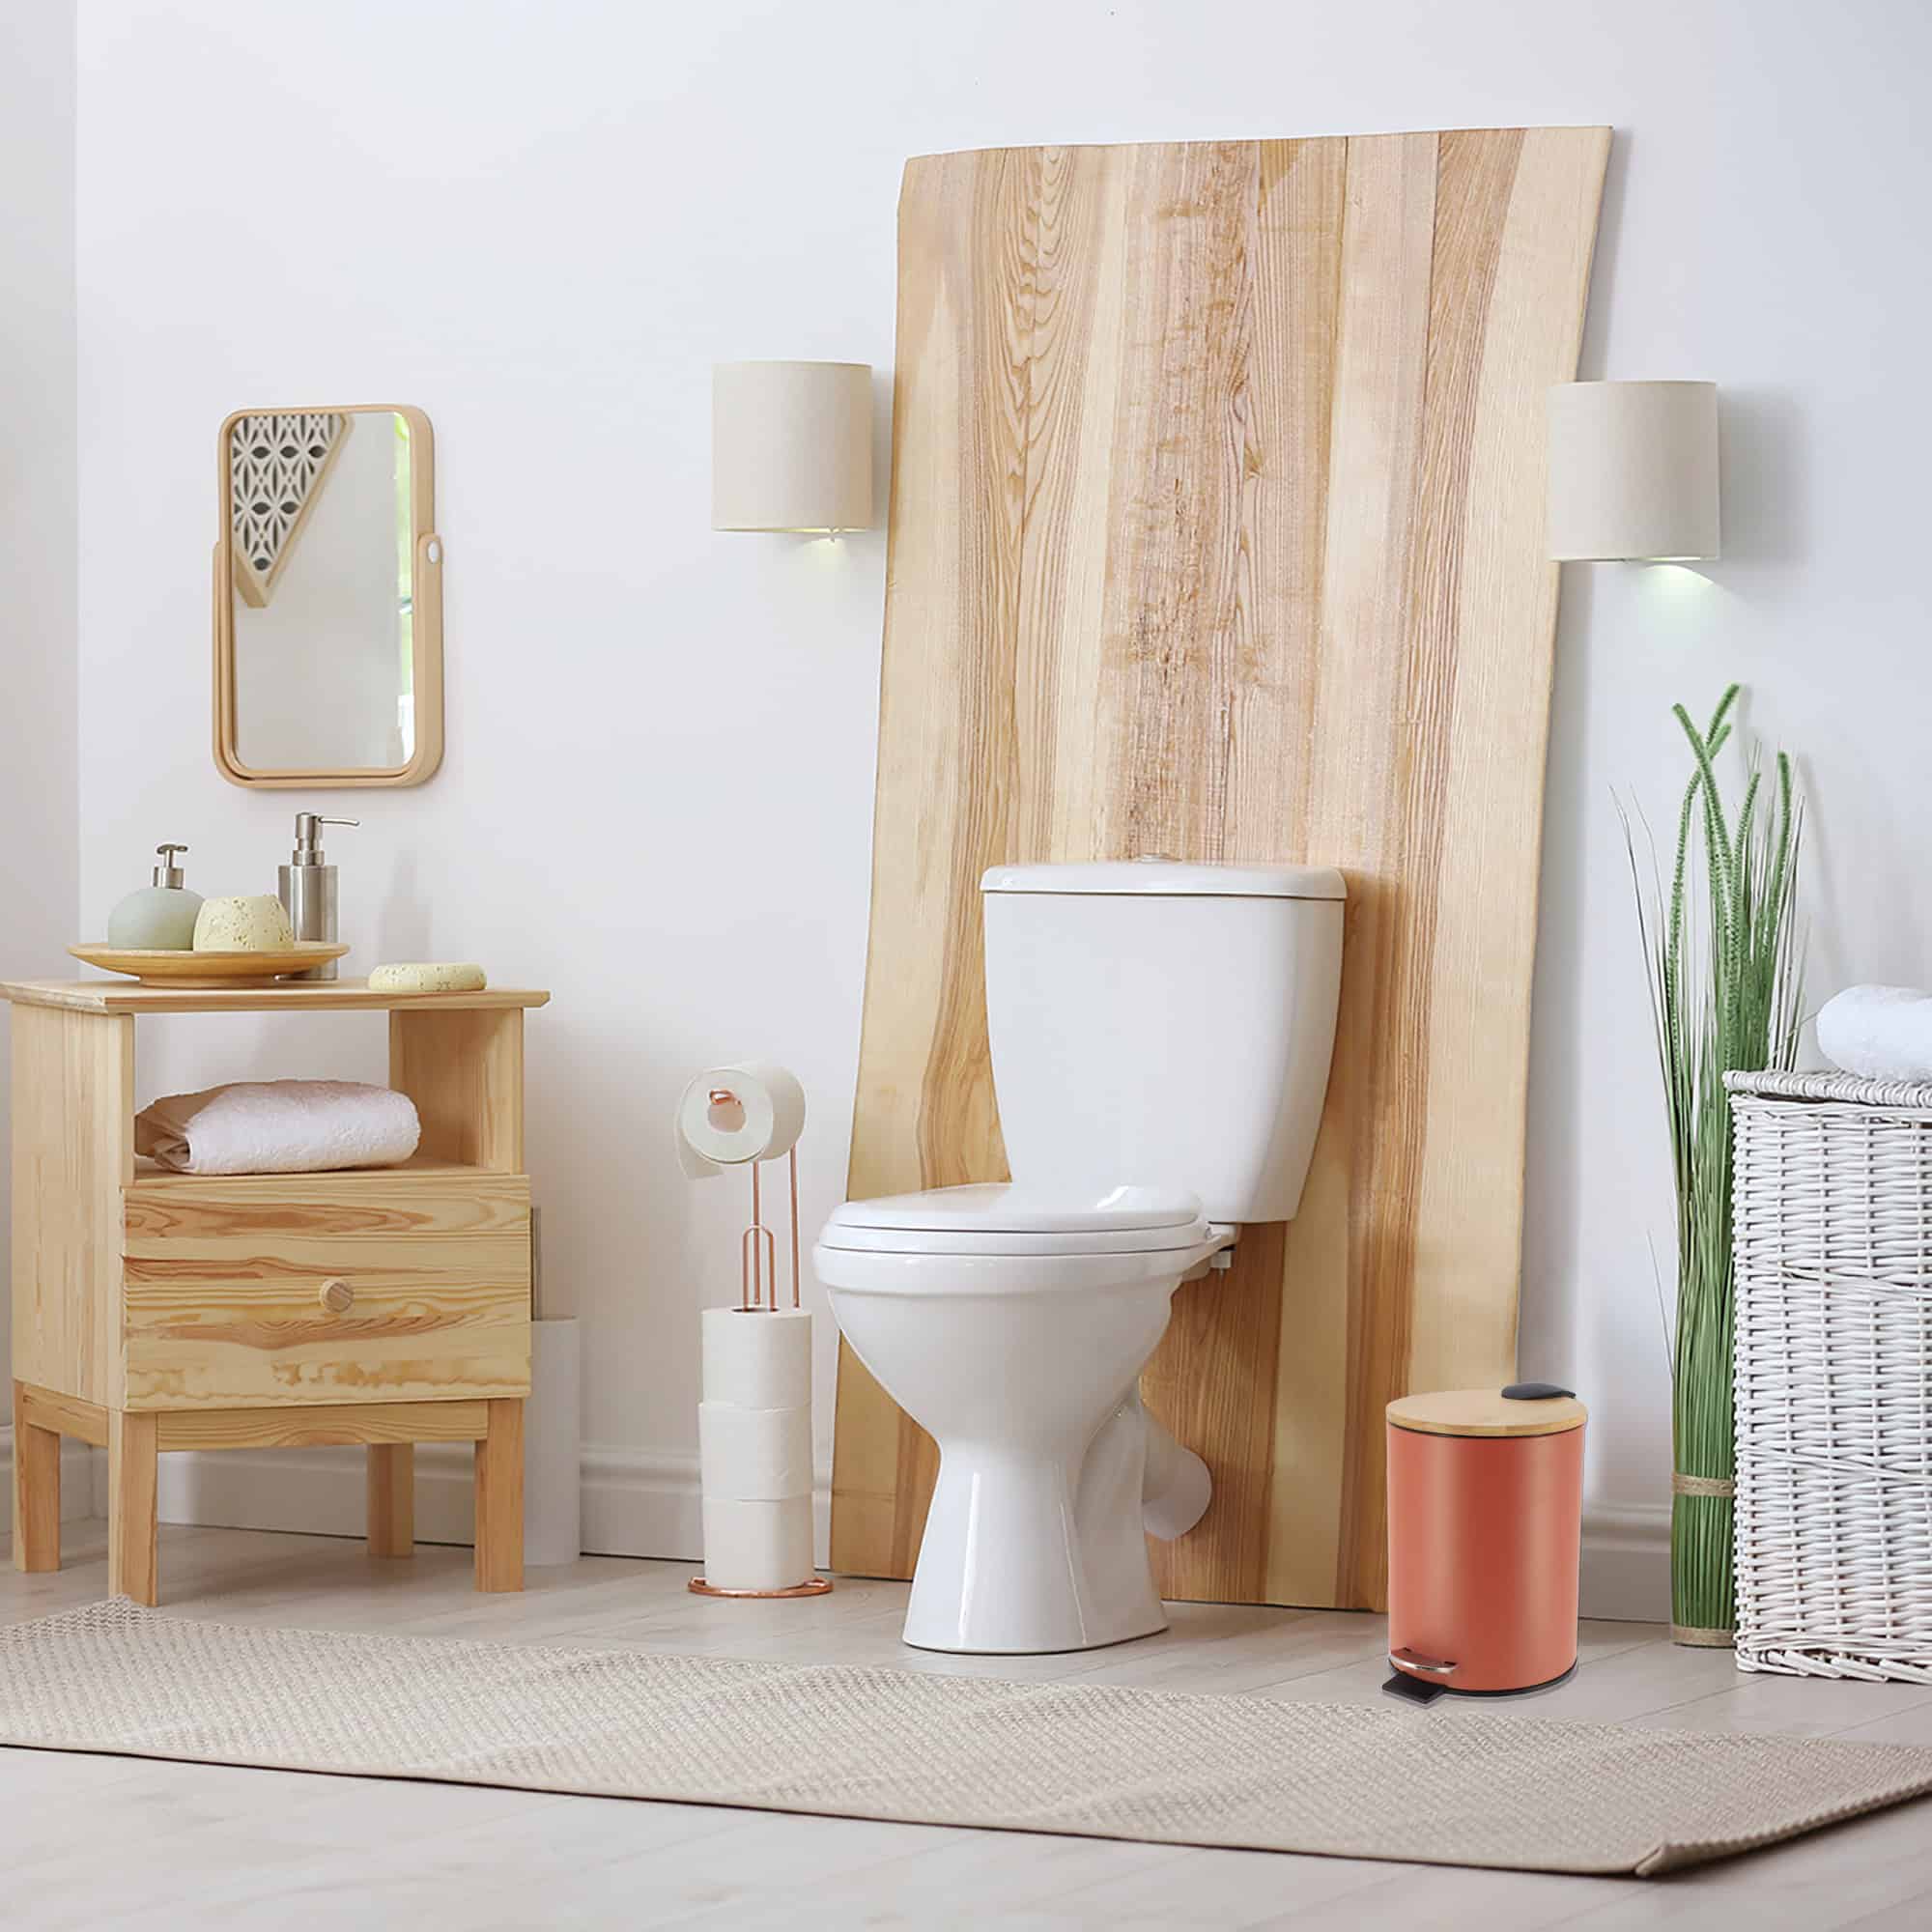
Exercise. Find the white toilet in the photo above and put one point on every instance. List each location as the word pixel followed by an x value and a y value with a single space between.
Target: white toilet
pixel 1162 1035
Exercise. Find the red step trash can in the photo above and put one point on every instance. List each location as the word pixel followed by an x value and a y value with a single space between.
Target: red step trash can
pixel 1484 1528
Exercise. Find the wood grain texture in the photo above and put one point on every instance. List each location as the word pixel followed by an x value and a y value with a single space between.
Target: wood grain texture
pixel 464 1071
pixel 133 1531
pixel 222 1276
pixel 64 1414
pixel 37 1488
pixel 393 1498
pixel 321 996
pixel 1486 1412
pixel 499 1499
pixel 205 969
pixel 381 1425
pixel 73 1150
pixel 1217 533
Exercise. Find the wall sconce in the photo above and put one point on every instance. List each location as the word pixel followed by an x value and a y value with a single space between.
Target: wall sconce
pixel 1634 471
pixel 791 447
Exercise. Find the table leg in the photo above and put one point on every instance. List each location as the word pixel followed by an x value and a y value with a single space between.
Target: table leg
pixel 500 1498
pixel 132 1532
pixel 392 1500
pixel 35 1490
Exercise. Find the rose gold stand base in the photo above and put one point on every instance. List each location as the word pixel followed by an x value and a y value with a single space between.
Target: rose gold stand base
pixel 816 1586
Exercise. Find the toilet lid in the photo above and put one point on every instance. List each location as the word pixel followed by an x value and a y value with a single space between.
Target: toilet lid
pixel 1008 1218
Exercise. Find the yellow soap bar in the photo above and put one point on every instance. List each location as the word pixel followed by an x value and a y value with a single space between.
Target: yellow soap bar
pixel 252 924
pixel 426 978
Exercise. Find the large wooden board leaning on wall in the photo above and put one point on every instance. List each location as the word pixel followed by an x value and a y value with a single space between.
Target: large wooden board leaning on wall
pixel 1217 533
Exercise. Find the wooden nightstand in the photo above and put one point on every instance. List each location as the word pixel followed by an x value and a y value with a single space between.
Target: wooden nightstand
pixel 156 1311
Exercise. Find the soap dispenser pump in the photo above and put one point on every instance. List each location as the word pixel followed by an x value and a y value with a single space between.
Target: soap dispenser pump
pixel 306 888
pixel 161 916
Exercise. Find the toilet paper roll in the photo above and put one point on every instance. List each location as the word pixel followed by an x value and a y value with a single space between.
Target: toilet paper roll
pixel 762 1119
pixel 753 1454
pixel 757 1546
pixel 552 1454
pixel 761 1358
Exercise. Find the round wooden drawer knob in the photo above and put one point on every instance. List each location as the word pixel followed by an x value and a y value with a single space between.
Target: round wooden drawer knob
pixel 336 1296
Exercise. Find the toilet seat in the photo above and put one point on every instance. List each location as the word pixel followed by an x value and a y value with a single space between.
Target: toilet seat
pixel 1012 1323
pixel 1008 1218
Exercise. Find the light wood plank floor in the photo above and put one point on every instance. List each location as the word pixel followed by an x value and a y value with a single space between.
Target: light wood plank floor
pixel 90 1841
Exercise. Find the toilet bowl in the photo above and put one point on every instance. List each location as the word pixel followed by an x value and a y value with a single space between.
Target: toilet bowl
pixel 1014 1327
pixel 1160 1035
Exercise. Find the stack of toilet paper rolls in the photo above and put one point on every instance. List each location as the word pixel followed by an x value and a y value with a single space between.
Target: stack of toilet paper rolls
pixel 754 1448
pixel 754 1419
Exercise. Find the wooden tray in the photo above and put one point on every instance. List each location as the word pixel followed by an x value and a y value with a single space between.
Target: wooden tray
pixel 165 966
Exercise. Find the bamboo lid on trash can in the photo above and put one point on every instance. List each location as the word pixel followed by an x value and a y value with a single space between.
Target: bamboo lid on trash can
pixel 1524 1408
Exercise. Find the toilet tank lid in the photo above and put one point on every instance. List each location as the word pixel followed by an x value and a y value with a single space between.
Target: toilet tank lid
pixel 1173 877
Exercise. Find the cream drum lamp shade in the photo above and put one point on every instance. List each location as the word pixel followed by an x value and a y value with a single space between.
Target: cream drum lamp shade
pixel 791 447
pixel 1634 471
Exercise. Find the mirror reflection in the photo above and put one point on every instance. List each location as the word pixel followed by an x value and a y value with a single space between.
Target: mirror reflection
pixel 323 543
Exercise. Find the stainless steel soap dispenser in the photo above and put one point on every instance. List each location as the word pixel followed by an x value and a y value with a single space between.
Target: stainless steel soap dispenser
pixel 306 886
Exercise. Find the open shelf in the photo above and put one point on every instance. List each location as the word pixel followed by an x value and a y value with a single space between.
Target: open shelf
pixel 128 996
pixel 151 1174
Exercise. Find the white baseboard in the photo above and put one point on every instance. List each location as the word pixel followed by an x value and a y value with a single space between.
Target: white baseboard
pixel 645 1502
pixel 76 1480
pixel 636 1502
pixel 1627 1562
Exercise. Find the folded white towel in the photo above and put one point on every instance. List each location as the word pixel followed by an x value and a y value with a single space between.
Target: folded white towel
pixel 279 1126
pixel 1879 1033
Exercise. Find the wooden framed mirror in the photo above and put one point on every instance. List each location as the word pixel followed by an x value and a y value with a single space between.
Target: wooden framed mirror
pixel 327 599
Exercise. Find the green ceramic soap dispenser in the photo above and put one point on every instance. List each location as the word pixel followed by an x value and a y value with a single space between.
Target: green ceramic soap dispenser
pixel 162 915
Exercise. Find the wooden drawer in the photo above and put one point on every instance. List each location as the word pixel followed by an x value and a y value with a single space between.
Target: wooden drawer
pixel 224 1280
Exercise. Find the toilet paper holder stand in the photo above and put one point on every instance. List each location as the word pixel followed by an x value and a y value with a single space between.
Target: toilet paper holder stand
pixel 759 1292
pixel 757 1245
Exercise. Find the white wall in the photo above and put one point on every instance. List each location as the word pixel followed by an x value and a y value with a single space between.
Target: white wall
pixel 543 225
pixel 39 847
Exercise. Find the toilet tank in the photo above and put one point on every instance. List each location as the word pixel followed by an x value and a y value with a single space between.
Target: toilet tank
pixel 1155 1023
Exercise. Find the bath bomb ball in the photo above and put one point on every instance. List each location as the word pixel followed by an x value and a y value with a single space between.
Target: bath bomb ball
pixel 256 925
pixel 427 979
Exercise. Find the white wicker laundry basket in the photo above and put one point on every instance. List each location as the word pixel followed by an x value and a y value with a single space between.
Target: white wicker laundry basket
pixel 1834 1403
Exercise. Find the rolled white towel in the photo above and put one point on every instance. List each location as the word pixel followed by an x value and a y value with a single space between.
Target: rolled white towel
pixel 279 1126
pixel 1879 1032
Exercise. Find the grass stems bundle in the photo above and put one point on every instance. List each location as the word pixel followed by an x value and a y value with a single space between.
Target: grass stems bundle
pixel 1726 994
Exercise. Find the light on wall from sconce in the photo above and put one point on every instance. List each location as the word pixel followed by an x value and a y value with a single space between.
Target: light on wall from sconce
pixel 791 447
pixel 1634 471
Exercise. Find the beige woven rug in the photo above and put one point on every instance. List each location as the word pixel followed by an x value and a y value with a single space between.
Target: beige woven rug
pixel 1348 1780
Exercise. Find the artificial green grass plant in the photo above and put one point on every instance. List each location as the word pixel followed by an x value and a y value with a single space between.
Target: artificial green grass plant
pixel 1726 994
